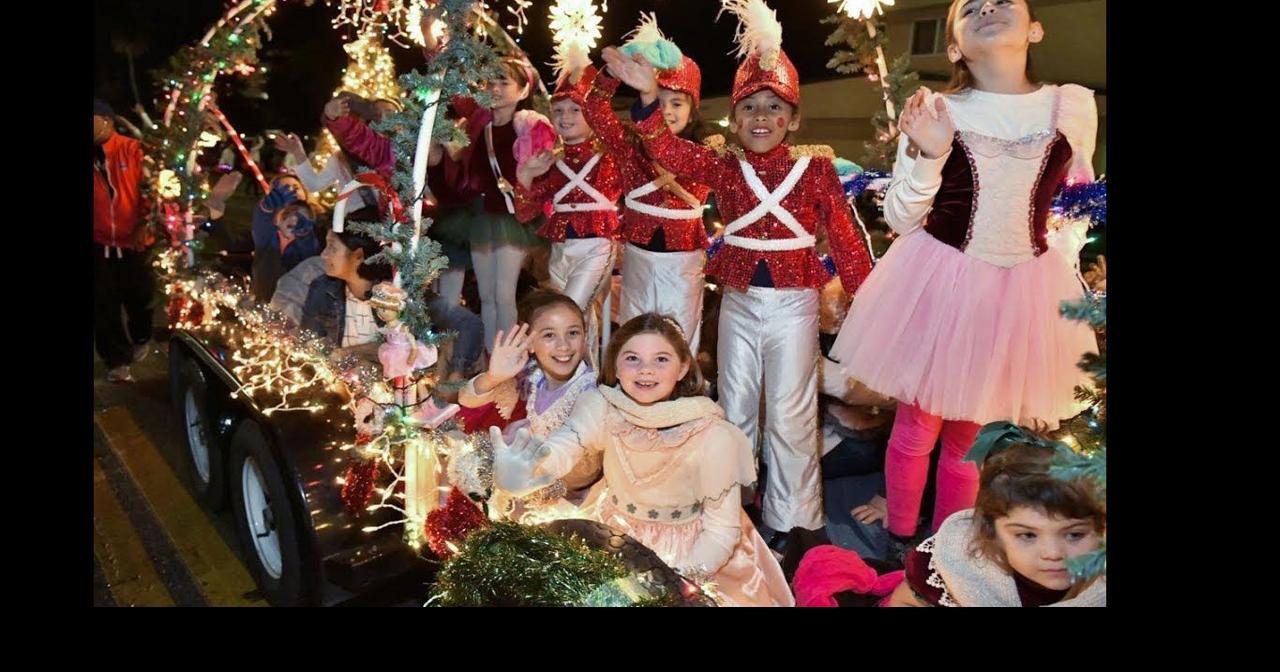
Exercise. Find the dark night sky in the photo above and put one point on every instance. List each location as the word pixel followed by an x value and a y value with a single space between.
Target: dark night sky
pixel 305 57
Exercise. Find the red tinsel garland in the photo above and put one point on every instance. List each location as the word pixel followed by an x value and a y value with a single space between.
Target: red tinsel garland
pixel 452 523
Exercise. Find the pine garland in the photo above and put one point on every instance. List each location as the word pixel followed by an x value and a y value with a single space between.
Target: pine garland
pixel 192 71
pixel 455 71
pixel 860 58
pixel 507 564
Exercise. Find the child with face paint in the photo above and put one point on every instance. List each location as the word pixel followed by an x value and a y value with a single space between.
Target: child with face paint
pixel 673 467
pixel 775 198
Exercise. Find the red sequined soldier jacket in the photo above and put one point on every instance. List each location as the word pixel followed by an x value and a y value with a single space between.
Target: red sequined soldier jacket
pixel 675 206
pixel 588 202
pixel 773 205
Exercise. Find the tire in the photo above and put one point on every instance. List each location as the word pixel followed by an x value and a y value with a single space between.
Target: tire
pixel 266 524
pixel 206 452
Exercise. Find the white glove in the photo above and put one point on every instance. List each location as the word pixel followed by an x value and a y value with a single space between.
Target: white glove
pixel 515 466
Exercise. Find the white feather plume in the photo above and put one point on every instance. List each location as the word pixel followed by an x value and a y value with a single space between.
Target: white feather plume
pixel 647 30
pixel 570 59
pixel 759 31
pixel 575 27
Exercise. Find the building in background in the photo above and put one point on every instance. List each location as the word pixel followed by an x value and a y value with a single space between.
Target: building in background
pixel 837 111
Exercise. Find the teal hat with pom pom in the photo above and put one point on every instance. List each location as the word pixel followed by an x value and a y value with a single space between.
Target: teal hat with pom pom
pixel 676 71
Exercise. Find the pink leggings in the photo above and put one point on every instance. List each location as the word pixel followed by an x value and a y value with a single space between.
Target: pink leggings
pixel 906 467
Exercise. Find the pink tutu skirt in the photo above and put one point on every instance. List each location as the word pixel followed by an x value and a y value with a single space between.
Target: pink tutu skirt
pixel 964 339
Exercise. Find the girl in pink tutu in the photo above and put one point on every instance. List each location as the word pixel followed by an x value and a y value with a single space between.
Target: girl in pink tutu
pixel 959 321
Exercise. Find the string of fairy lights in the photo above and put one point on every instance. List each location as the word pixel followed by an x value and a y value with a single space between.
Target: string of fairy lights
pixel 283 369
pixel 398 20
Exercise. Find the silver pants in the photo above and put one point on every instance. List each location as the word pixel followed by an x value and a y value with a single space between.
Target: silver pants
pixel 769 350
pixel 670 283
pixel 579 268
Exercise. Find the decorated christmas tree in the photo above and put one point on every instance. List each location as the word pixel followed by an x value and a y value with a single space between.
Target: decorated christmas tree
pixel 862 33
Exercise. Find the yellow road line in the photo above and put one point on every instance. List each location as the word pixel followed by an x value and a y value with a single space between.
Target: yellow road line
pixel 130 575
pixel 222 578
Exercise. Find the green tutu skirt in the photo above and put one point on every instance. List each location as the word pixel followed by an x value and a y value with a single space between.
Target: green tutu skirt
pixel 473 226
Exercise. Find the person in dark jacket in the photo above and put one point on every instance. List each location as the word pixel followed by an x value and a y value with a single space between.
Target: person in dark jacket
pixel 282 233
pixel 319 300
pixel 337 304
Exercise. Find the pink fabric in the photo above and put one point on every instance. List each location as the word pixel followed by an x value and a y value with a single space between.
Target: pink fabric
pixel 534 133
pixel 906 467
pixel 967 340
pixel 750 578
pixel 432 416
pixel 827 570
pixel 957 482
pixel 401 354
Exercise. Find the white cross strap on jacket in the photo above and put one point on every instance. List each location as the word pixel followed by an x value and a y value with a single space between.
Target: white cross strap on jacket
pixel 769 203
pixel 503 185
pixel 633 201
pixel 579 181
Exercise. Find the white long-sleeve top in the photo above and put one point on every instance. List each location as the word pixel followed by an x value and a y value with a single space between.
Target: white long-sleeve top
pixel 1007 134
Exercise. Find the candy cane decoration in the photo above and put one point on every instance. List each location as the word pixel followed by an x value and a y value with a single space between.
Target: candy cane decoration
pixel 173 103
pixel 420 461
pixel 204 41
pixel 340 208
pixel 266 7
pixel 419 177
pixel 244 151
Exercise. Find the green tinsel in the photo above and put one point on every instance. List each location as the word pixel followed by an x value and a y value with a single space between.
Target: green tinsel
pixel 169 144
pixel 508 564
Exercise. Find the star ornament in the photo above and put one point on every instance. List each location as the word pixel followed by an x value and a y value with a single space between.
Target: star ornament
pixel 862 9
pixel 575 21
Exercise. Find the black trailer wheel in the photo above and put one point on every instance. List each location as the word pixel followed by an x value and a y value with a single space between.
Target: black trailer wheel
pixel 265 522
pixel 206 453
